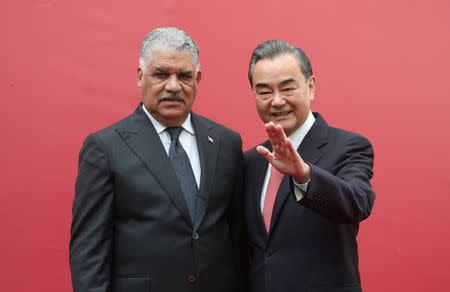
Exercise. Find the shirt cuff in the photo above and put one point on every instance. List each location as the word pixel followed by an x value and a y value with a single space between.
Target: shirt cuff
pixel 300 189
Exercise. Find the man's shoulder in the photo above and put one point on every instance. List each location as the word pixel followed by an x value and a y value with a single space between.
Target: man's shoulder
pixel 215 126
pixel 113 127
pixel 345 136
pixel 251 153
pixel 335 134
pixel 110 132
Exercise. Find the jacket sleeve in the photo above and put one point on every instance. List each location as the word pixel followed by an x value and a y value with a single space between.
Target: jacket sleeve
pixel 91 230
pixel 344 195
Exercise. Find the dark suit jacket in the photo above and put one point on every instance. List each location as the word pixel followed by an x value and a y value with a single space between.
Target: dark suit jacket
pixel 131 229
pixel 311 245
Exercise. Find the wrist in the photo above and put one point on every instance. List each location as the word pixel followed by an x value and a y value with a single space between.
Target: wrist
pixel 304 175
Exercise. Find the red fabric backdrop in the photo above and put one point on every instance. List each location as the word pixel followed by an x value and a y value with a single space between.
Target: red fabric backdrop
pixel 382 67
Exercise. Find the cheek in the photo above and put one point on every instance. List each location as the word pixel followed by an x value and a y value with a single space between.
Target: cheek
pixel 155 89
pixel 189 91
pixel 298 102
pixel 150 95
pixel 262 105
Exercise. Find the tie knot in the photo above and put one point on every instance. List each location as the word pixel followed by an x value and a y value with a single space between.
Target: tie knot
pixel 174 132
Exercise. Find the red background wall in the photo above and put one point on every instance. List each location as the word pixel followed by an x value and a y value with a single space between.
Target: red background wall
pixel 69 68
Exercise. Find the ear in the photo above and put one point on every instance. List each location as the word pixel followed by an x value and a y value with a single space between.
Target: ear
pixel 312 87
pixel 140 75
pixel 199 76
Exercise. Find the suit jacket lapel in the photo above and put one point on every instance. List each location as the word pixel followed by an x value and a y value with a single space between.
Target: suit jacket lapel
pixel 310 153
pixel 208 143
pixel 260 169
pixel 316 137
pixel 141 137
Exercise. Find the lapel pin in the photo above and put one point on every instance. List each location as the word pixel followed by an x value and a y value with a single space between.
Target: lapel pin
pixel 211 140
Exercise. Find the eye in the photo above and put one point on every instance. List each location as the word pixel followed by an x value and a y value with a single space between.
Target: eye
pixel 288 89
pixel 160 74
pixel 185 76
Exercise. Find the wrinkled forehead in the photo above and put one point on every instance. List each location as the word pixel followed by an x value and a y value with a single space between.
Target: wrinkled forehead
pixel 277 70
pixel 173 59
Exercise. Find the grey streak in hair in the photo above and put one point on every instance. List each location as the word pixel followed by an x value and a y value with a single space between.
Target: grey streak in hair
pixel 167 38
pixel 274 48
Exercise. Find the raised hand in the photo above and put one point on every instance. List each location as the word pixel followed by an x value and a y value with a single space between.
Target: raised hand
pixel 284 157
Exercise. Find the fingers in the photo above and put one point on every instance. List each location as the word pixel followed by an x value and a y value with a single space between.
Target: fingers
pixel 264 152
pixel 269 131
pixel 277 136
pixel 275 133
pixel 284 156
pixel 291 149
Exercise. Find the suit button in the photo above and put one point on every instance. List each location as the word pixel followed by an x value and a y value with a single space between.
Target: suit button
pixel 191 278
pixel 195 235
pixel 269 253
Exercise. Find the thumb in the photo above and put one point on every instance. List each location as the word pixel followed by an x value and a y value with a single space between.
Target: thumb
pixel 264 152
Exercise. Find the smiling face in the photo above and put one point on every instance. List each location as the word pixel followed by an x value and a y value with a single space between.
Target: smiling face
pixel 282 94
pixel 168 86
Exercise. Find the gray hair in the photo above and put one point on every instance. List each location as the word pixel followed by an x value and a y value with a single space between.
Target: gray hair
pixel 274 48
pixel 167 38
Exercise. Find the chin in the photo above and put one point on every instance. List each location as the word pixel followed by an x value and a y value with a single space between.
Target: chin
pixel 283 123
pixel 177 117
pixel 175 113
pixel 288 129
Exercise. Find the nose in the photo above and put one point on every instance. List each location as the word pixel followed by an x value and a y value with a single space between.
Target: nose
pixel 277 99
pixel 172 84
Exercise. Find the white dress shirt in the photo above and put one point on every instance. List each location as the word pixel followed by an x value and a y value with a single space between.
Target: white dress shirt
pixel 187 140
pixel 296 139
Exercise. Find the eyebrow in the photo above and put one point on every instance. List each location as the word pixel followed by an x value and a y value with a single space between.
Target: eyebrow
pixel 261 84
pixel 285 81
pixel 264 84
pixel 185 73
pixel 159 69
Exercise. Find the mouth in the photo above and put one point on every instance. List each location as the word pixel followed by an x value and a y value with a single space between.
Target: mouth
pixel 280 114
pixel 172 100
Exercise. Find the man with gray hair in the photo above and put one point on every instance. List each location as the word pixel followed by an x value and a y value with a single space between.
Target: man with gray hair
pixel 157 196
pixel 306 188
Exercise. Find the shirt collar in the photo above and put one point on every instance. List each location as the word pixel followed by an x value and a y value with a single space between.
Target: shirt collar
pixel 299 134
pixel 187 125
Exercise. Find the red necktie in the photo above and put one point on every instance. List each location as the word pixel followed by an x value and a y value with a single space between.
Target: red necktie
pixel 271 193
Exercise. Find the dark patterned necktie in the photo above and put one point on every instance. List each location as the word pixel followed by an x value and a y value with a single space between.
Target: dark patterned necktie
pixel 183 170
